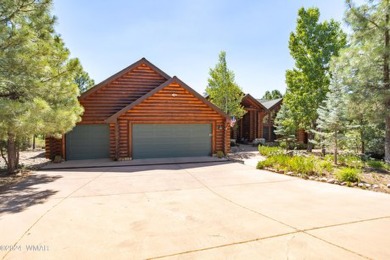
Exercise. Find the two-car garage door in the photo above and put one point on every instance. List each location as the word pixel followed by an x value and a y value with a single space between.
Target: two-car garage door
pixel 148 141
pixel 171 140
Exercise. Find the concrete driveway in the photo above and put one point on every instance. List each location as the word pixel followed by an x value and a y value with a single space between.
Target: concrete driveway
pixel 190 211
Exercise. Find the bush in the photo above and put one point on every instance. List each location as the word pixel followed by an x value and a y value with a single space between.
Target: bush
pixel 270 151
pixel 276 162
pixel 348 174
pixel 329 157
pixel 220 154
pixel 323 166
pixel 300 164
pixel 379 165
pixel 376 164
pixel 350 160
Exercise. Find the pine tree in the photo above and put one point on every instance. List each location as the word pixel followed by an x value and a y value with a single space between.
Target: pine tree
pixel 285 127
pixel 270 95
pixel 332 120
pixel 83 81
pixel 37 90
pixel 367 60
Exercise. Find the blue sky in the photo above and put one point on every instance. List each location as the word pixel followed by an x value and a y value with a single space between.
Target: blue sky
pixel 184 37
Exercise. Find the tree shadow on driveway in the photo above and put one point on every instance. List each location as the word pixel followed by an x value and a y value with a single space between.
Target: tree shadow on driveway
pixel 19 196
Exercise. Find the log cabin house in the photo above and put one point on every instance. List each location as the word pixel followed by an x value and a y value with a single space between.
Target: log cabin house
pixel 141 112
pixel 258 122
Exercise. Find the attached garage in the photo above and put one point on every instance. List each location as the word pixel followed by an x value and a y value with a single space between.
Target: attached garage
pixel 88 142
pixel 141 112
pixel 171 140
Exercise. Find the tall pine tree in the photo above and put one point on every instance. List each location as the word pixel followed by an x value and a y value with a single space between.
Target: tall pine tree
pixel 37 89
pixel 367 60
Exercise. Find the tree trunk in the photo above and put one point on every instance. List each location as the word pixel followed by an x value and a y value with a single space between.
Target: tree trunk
pixel 33 142
pixel 387 140
pixel 363 145
pixel 335 148
pixel 12 154
pixel 386 81
pixel 310 144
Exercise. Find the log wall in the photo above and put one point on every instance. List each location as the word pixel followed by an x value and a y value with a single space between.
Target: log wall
pixel 172 104
pixel 119 93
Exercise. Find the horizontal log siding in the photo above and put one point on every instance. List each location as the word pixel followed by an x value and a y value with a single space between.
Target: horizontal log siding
pixel 172 104
pixel 53 147
pixel 112 141
pixel 119 93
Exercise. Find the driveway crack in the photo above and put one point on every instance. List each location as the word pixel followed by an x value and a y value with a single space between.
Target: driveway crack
pixel 51 208
pixel 297 230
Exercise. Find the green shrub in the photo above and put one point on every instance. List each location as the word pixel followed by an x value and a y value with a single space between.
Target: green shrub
pixel 348 174
pixel 261 165
pixel 300 164
pixel 329 157
pixel 276 162
pixel 323 166
pixel 220 154
pixel 270 151
pixel 350 160
pixel 376 164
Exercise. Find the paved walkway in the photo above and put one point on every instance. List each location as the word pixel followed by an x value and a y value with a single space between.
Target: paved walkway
pixel 189 211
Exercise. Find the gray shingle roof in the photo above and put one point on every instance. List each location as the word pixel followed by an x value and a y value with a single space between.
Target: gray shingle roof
pixel 269 103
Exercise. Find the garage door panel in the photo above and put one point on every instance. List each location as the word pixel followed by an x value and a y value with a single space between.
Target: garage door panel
pixel 171 140
pixel 88 142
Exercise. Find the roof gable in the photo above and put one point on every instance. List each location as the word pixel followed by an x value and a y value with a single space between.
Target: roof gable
pixel 122 73
pixel 251 100
pixel 113 118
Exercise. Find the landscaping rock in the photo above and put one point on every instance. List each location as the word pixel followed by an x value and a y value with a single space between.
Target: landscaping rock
pixel 354 184
pixel 343 183
pixel 281 172
pixel 388 185
pixel 336 182
pixel 367 185
pixel 323 179
pixel 312 178
pixel 289 173
pixel 361 184
pixel 331 181
pixel 375 186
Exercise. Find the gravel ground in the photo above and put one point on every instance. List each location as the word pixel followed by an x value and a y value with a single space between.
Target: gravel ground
pixel 31 160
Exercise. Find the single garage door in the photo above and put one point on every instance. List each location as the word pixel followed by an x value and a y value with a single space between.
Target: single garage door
pixel 171 140
pixel 88 142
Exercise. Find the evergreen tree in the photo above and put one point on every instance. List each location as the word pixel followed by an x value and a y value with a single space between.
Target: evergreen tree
pixel 332 120
pixel 223 91
pixel 83 81
pixel 270 95
pixel 37 89
pixel 285 126
pixel 367 60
